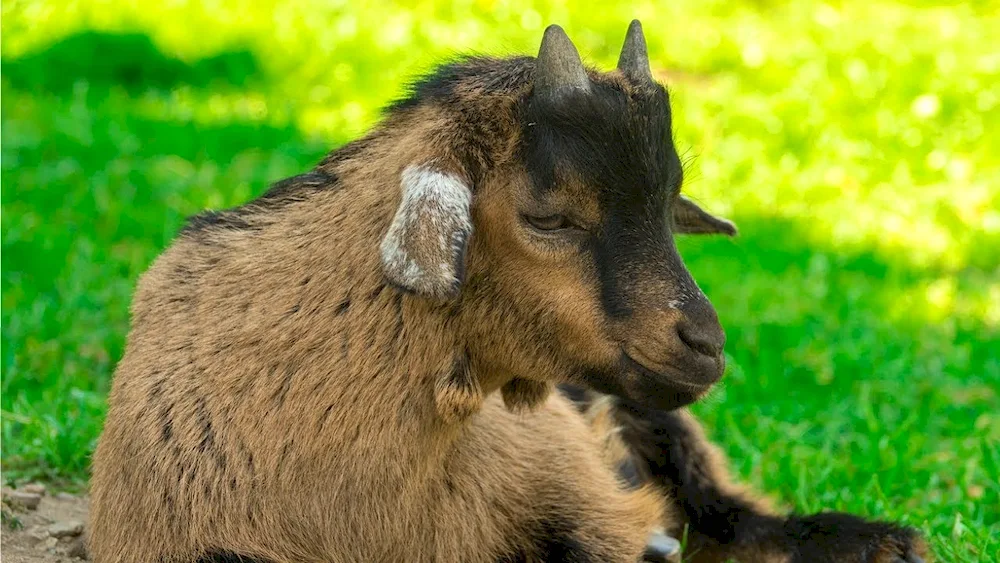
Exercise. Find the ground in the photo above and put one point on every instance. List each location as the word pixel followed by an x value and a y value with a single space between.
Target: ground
pixel 29 535
pixel 853 142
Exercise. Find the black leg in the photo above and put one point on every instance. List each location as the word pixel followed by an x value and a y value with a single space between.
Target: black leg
pixel 726 522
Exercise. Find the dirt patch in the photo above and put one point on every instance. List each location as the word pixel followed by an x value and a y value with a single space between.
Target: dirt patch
pixel 49 533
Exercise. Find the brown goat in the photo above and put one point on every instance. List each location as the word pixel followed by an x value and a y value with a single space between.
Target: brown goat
pixel 358 365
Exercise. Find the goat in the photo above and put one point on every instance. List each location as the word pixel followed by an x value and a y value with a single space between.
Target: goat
pixel 359 365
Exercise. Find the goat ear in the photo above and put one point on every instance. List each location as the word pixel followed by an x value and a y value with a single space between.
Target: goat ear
pixel 692 220
pixel 424 248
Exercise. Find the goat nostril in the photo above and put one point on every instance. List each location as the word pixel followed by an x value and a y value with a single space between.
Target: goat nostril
pixel 699 342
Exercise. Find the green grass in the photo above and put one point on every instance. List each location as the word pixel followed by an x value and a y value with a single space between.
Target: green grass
pixel 855 144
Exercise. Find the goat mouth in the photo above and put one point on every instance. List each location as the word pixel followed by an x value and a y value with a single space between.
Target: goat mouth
pixel 671 373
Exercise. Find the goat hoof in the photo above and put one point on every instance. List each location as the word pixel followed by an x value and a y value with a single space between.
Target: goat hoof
pixel 661 548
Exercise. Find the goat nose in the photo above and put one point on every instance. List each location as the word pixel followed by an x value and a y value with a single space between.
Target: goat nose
pixel 706 342
pixel 700 330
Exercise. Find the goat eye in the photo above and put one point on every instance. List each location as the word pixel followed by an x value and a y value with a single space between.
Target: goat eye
pixel 549 222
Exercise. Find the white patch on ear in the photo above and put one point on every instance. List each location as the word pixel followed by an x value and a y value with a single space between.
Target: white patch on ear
pixel 424 248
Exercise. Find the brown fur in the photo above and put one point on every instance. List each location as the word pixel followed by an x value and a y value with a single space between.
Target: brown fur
pixel 277 399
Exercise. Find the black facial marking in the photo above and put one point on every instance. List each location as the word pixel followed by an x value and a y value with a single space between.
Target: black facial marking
pixel 618 144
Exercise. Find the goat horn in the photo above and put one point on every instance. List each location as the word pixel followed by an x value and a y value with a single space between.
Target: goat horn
pixel 634 59
pixel 559 66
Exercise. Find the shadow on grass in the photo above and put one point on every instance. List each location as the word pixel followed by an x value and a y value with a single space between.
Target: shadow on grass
pixel 779 287
pixel 130 61
pixel 94 185
pixel 90 168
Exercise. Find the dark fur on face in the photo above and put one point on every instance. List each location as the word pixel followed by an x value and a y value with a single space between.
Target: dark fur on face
pixel 604 158
pixel 615 139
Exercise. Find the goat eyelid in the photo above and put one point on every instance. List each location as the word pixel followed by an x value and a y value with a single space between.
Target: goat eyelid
pixel 549 224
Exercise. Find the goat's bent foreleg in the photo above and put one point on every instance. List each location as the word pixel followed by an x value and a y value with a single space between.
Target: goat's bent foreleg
pixel 726 523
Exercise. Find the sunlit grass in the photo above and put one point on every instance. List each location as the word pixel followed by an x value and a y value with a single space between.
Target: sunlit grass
pixel 853 142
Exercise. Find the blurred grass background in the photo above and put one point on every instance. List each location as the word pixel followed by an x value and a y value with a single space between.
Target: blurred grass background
pixel 855 143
